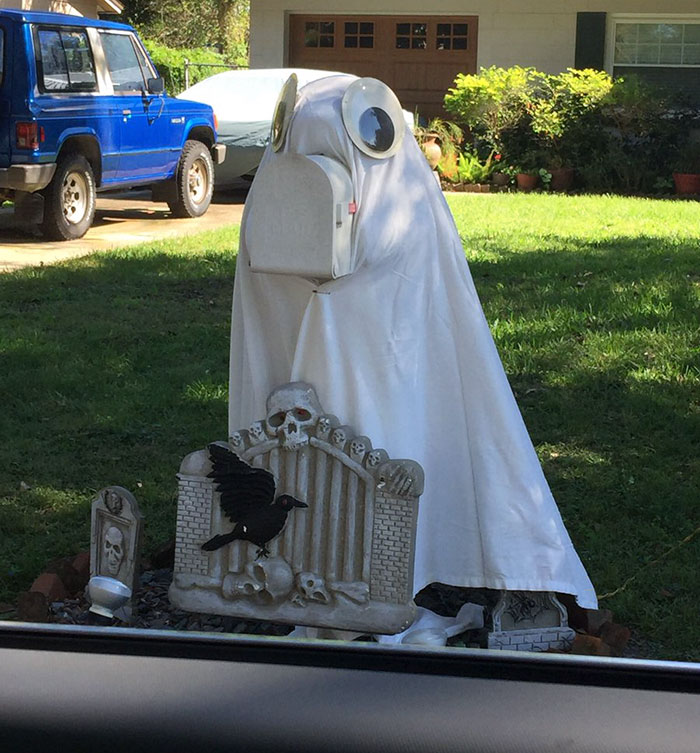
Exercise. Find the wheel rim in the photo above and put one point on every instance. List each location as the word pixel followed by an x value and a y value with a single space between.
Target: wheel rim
pixel 198 181
pixel 75 195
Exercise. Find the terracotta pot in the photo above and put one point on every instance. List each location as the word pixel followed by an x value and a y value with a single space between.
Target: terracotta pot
pixel 562 178
pixel 500 179
pixel 526 181
pixel 687 183
pixel 432 151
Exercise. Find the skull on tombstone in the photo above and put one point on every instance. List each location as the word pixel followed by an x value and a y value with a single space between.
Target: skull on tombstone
pixel 113 550
pixel 242 585
pixel 292 411
pixel 276 577
pixel 312 588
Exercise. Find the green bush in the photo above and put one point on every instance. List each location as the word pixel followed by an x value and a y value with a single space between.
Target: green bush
pixel 620 135
pixel 170 63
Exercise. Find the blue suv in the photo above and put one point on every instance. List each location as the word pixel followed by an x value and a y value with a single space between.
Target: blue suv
pixel 83 109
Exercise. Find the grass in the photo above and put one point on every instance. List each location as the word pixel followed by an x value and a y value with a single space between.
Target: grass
pixel 115 366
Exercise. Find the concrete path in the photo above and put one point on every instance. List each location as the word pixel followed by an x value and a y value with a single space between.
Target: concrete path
pixel 120 220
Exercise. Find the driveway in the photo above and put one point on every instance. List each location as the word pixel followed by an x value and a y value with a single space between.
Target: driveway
pixel 120 220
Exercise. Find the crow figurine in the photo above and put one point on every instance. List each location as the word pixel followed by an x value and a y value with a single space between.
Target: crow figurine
pixel 248 501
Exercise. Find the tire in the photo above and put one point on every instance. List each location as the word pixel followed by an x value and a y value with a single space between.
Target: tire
pixel 69 200
pixel 194 181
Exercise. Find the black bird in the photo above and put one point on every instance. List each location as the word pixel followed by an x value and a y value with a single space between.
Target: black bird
pixel 248 500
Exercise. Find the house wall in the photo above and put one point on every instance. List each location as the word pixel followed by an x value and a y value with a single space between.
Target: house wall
pixel 87 8
pixel 540 33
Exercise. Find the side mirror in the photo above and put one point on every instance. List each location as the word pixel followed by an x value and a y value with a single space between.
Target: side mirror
pixel 155 85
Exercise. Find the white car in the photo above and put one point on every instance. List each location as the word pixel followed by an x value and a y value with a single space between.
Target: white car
pixel 244 103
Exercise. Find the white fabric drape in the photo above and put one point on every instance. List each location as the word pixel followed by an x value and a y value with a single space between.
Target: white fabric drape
pixel 401 351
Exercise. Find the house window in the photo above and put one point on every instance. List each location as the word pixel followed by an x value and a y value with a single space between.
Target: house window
pixel 319 34
pixel 451 37
pixel 657 44
pixel 411 36
pixel 359 34
pixel 65 61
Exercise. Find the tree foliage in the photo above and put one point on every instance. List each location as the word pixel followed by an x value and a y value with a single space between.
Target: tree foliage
pixel 194 23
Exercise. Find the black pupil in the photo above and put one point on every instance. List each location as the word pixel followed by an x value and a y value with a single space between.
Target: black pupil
pixel 376 129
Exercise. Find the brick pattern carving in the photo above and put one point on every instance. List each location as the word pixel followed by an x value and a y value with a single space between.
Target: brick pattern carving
pixel 392 549
pixel 344 562
pixel 532 640
pixel 530 621
pixel 194 505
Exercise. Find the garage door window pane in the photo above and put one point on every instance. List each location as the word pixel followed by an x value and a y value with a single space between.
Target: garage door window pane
pixel 411 36
pixel 403 29
pixel 452 37
pixel 359 35
pixel 319 34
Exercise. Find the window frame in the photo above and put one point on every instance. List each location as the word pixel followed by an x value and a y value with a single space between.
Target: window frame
pixel 644 18
pixel 39 63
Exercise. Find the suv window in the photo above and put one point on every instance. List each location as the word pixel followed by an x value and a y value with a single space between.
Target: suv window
pixel 65 61
pixel 122 62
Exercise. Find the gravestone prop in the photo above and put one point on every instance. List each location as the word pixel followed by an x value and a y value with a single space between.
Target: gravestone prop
pixel 530 621
pixel 116 539
pixel 345 562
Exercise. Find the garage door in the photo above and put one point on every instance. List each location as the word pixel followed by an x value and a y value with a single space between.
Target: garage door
pixel 418 56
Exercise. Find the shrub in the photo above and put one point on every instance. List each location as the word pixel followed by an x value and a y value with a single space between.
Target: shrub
pixel 470 169
pixel 170 63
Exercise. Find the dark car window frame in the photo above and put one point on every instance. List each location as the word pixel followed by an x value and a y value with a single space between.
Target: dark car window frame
pixel 71 89
pixel 2 54
pixel 111 32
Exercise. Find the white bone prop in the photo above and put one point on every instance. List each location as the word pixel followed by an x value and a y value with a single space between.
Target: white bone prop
pixel 401 350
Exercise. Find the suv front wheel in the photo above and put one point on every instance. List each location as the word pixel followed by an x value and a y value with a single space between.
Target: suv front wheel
pixel 194 181
pixel 69 200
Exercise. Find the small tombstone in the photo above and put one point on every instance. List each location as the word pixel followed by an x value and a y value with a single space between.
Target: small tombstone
pixel 345 562
pixel 116 533
pixel 530 621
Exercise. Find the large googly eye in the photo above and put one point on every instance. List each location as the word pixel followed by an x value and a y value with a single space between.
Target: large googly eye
pixel 373 118
pixel 283 112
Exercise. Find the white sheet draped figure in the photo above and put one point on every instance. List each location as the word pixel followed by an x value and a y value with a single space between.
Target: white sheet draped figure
pixel 401 351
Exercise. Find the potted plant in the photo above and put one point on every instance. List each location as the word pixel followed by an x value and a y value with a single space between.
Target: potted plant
pixel 438 139
pixel 686 176
pixel 472 172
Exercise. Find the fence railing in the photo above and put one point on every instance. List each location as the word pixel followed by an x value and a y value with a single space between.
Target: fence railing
pixel 187 65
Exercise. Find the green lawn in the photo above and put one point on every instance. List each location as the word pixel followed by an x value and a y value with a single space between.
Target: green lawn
pixel 115 366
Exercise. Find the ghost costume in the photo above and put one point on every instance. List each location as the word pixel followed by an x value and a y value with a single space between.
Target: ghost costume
pixel 400 350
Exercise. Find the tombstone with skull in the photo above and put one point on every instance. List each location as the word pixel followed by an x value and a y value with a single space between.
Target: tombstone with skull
pixel 117 526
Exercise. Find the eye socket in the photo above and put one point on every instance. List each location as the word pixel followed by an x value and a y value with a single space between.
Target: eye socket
pixel 283 112
pixel 277 419
pixel 301 414
pixel 373 118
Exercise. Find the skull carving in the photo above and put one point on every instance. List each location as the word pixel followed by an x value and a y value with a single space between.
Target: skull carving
pixel 292 411
pixel 312 588
pixel 266 582
pixel 113 550
pixel 241 585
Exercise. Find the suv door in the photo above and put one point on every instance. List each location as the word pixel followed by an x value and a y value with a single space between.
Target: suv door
pixel 144 125
pixel 5 95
